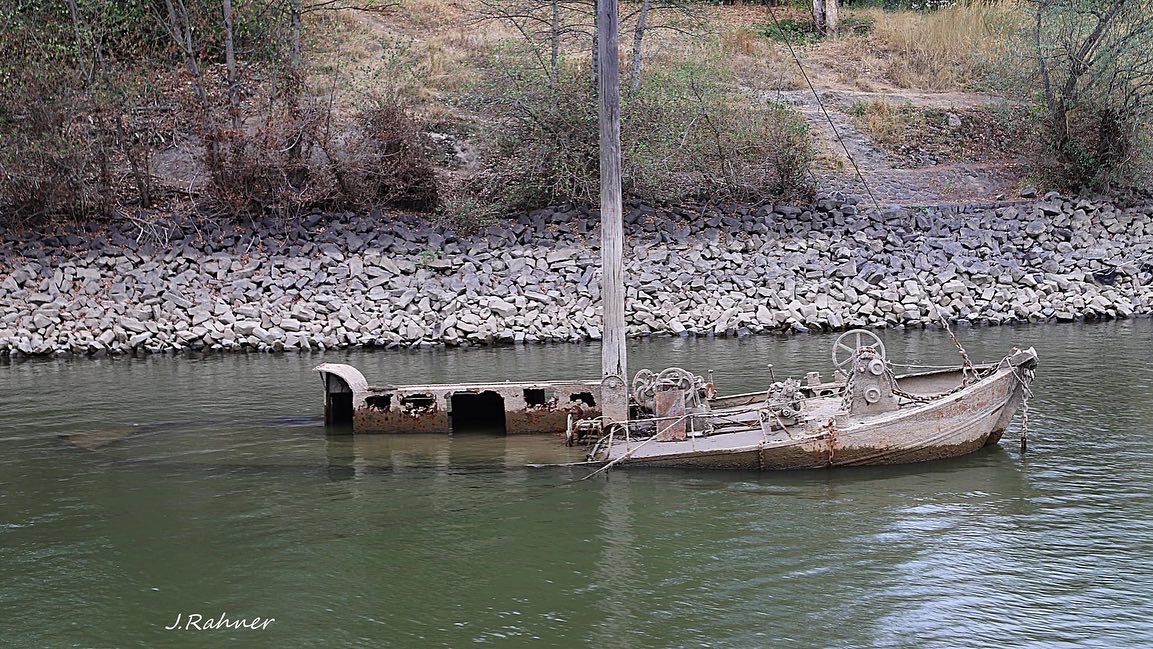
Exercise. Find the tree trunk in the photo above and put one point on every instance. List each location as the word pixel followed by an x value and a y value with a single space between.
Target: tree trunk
pixel 638 38
pixel 86 46
pixel 819 16
pixel 173 22
pixel 554 41
pixel 1056 110
pixel 596 74
pixel 138 162
pixel 296 10
pixel 831 17
pixel 183 39
pixel 81 43
pixel 230 61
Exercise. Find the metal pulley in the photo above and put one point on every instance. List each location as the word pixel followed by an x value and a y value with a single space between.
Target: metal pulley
pixel 876 367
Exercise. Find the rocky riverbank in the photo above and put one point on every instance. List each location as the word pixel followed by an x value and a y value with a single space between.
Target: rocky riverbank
pixel 328 281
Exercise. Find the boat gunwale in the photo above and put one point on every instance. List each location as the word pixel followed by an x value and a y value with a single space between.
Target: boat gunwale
pixel 841 384
pixel 427 387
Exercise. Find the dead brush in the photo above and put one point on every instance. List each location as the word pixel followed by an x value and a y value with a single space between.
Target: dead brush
pixel 384 160
pixel 43 178
pixel 271 167
pixel 303 155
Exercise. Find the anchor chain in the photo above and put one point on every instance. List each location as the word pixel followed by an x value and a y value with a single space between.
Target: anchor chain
pixel 1024 424
pixel 1028 393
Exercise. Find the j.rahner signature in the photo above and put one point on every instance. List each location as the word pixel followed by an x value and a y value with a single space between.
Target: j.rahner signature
pixel 196 621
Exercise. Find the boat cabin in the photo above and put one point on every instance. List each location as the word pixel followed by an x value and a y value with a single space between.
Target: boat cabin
pixel 512 408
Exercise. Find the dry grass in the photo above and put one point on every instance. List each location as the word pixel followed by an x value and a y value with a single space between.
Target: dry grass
pixel 434 14
pixel 888 125
pixel 757 61
pixel 726 38
pixel 951 48
pixel 425 49
pixel 444 44
pixel 916 136
pixel 957 48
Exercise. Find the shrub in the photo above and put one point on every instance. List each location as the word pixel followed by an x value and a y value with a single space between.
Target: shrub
pixel 791 30
pixel 543 142
pixel 1096 81
pixel 64 151
pixel 803 32
pixel 684 135
pixel 302 155
pixel 386 160
pixel 50 175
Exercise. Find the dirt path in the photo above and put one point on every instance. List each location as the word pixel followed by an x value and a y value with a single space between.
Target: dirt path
pixel 842 144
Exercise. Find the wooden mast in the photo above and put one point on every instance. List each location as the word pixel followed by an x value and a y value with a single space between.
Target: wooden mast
pixel 614 371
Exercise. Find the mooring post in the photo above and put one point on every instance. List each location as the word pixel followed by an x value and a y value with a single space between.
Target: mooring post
pixel 614 396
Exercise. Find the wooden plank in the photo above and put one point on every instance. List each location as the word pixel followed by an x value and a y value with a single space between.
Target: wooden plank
pixel 613 361
pixel 669 407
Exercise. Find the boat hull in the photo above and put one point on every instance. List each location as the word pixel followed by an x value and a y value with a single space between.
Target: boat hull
pixel 950 426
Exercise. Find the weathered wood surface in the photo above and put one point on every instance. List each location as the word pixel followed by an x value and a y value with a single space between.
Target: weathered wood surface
pixel 670 408
pixel 613 360
pixel 950 426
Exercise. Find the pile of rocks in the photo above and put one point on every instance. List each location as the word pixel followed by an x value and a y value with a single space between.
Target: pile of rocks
pixel 346 280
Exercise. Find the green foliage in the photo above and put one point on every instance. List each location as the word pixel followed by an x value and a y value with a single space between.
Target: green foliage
pixel 1096 84
pixel 802 32
pixel 466 212
pixel 684 135
pixel 911 5
pixel 790 30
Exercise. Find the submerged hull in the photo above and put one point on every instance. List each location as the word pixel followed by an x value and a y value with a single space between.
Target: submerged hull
pixel 945 427
pixel 867 416
pixel 513 408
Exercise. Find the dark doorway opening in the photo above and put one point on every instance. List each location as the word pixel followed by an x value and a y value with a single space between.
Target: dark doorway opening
pixel 478 413
pixel 339 410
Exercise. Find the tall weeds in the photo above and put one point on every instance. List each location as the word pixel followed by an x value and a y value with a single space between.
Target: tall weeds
pixel 953 47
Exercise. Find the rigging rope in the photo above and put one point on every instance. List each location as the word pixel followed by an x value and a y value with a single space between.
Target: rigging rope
pixel 968 364
pixel 821 104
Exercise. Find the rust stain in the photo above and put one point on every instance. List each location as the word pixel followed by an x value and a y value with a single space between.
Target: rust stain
pixel 368 419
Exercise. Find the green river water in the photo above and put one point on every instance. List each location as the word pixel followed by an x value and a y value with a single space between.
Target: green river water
pixel 224 495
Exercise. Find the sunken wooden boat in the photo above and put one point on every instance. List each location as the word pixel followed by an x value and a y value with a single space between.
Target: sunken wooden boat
pixel 867 415
pixel 350 402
